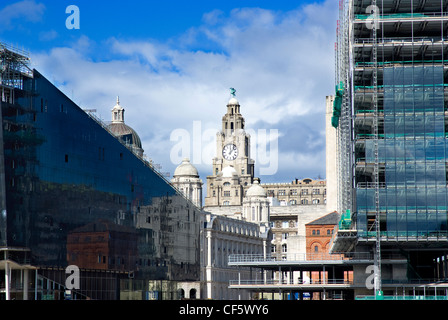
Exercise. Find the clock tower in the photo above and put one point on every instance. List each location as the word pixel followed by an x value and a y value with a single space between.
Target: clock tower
pixel 233 169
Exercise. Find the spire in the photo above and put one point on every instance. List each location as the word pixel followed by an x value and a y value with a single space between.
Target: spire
pixel 118 112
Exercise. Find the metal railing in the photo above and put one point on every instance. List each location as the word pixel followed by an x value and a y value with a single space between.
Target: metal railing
pixel 276 282
pixel 298 257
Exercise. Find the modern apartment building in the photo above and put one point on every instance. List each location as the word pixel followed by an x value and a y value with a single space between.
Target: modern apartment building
pixel 390 114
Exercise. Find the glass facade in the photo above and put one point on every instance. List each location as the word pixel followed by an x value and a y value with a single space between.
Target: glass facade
pixel 66 177
pixel 413 151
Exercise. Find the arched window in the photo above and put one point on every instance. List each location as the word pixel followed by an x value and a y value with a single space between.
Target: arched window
pixel 181 293
pixel 193 294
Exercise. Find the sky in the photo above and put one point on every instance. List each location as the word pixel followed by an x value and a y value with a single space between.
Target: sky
pixel 173 62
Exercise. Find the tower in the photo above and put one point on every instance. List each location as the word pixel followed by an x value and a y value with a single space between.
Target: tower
pixel 233 169
pixel 186 180
pixel 256 204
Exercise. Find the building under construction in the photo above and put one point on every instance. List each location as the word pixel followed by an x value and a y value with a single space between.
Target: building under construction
pixel 390 115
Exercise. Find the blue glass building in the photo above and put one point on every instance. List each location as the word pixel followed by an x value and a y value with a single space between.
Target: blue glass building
pixel 61 171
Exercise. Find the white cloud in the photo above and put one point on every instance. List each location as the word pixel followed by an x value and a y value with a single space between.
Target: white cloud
pixel 281 63
pixel 27 10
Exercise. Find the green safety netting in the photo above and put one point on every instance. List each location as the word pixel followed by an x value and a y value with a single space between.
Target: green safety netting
pixel 393 16
pixel 346 220
pixel 337 105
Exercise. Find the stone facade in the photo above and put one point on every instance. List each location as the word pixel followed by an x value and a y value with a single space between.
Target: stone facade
pixel 223 237
pixel 298 192
pixel 233 169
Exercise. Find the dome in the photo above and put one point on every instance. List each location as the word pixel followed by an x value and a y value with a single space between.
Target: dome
pixel 126 134
pixel 233 101
pixel 229 172
pixel 186 169
pixel 256 190
pixel 122 131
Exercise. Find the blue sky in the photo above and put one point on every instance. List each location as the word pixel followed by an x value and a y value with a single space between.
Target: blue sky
pixel 172 63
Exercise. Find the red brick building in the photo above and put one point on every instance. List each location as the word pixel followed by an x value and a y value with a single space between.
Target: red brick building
pixel 102 245
pixel 318 236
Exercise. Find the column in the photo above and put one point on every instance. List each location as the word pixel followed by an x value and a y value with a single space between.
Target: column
pixel 208 271
pixel 25 284
pixel 7 280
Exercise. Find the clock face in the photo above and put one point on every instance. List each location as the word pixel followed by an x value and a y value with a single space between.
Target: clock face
pixel 230 152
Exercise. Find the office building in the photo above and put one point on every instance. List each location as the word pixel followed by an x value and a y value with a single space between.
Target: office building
pixel 74 190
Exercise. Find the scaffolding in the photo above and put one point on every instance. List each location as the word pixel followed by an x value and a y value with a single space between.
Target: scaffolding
pixel 391 76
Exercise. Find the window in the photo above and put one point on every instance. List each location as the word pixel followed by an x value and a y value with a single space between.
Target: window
pixel 304 201
pixel 316 191
pixel 293 192
pixel 292 202
pixel 284 248
pixel 316 201
pixel 304 191
pixel 285 224
pixel 328 232
pixel 226 183
pixel 316 249
pixel 226 193
pixel 285 235
pixel 281 192
pixel 226 203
